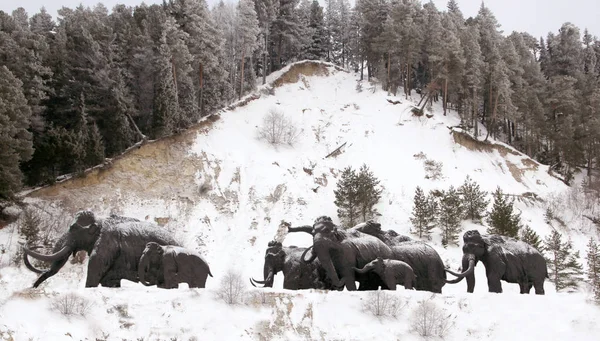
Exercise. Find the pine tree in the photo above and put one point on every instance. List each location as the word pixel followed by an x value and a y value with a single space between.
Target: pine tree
pixel 247 36
pixel 14 137
pixel 501 219
pixel 369 192
pixel 474 199
pixel 318 47
pixel 450 215
pixel 347 197
pixel 529 236
pixel 565 270
pixel 422 218
pixel 593 267
pixel 94 153
pixel 165 94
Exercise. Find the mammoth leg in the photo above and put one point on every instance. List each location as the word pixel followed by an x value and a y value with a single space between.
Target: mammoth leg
pixel 390 282
pixel 539 286
pixel 110 281
pixel 408 281
pixel 494 284
pixel 98 266
pixel 170 271
pixel 349 279
pixel 528 287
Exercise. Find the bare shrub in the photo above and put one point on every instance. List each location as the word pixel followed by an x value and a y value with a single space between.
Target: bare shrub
pixel 261 297
pixel 433 169
pixel 71 304
pixel 231 288
pixel 430 320
pixel 278 129
pixel 40 224
pixel 381 303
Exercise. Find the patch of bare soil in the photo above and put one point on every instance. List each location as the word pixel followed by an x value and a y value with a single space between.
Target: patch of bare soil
pixel 308 68
pixel 282 307
pixel 160 169
pixel 516 170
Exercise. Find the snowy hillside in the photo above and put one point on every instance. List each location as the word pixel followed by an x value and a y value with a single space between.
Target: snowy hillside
pixel 224 191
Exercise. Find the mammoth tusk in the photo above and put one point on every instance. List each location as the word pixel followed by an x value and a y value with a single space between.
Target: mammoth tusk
pixel 467 272
pixel 454 281
pixel 65 251
pixel 29 266
pixel 311 259
pixel 257 281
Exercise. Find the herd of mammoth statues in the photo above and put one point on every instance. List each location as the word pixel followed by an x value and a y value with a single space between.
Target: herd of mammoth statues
pixel 127 248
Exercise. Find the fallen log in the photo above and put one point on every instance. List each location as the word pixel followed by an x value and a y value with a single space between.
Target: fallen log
pixel 336 150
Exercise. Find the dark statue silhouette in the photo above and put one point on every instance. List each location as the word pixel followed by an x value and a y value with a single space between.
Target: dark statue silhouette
pixel 169 265
pixel 296 273
pixel 114 246
pixel 505 259
pixel 391 272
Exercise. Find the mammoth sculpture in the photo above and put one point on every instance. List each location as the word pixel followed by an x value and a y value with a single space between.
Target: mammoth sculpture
pixel 170 265
pixel 296 273
pixel 391 271
pixel 114 246
pixel 505 259
pixel 340 251
pixel 424 260
pixel 389 237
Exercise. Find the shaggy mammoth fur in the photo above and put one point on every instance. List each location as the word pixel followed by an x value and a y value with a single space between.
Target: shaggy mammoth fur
pixel 114 246
pixel 296 273
pixel 170 265
pixel 505 259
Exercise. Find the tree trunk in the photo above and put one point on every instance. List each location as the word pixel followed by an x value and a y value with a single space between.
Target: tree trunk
pixel 242 76
pixel 201 84
pixel 264 66
pixel 388 73
pixel 174 74
pixel 445 105
pixel 279 52
pixel 493 120
pixel 362 68
pixel 474 113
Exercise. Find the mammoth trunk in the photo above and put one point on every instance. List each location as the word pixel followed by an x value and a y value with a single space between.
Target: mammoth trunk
pixel 307 229
pixel 58 258
pixel 327 263
pixel 366 269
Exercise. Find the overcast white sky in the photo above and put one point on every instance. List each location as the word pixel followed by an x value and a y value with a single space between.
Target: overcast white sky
pixel 537 17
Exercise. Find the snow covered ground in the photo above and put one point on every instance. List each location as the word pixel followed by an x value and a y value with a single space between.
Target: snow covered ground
pixel 224 191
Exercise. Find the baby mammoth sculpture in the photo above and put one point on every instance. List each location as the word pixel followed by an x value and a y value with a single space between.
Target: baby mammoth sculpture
pixel 296 273
pixel 114 246
pixel 170 265
pixel 505 259
pixel 392 272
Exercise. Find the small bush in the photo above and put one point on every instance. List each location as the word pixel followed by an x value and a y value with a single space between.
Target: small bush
pixel 71 304
pixel 231 288
pixel 433 169
pixel 261 297
pixel 430 320
pixel 278 129
pixel 381 303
